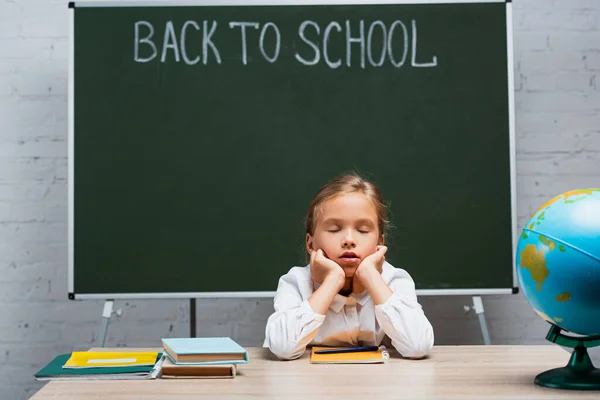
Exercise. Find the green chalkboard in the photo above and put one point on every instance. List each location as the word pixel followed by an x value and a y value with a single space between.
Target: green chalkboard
pixel 201 132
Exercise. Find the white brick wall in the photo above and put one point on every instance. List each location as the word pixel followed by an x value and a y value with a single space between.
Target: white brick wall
pixel 557 57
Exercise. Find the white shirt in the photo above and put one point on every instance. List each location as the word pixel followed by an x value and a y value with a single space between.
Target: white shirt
pixel 350 321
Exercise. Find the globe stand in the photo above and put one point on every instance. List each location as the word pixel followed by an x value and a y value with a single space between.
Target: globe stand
pixel 580 373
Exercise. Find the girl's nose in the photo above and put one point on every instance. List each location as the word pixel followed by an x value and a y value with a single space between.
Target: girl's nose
pixel 349 241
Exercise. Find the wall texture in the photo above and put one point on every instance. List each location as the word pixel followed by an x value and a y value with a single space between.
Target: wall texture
pixel 557 58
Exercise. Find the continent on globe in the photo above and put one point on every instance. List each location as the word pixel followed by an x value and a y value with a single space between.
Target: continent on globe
pixel 535 261
pixel 566 197
pixel 563 297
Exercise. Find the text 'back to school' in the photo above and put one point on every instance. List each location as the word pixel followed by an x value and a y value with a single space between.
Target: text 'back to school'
pixel 361 44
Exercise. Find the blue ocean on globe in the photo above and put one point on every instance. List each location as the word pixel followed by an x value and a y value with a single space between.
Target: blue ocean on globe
pixel 558 261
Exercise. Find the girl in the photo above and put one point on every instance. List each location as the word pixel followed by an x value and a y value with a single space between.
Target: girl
pixel 348 295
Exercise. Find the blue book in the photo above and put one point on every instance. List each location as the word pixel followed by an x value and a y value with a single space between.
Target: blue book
pixel 213 350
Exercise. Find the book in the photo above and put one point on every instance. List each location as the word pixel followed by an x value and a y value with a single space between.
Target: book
pixel 170 370
pixel 364 357
pixel 210 350
pixel 54 371
pixel 100 359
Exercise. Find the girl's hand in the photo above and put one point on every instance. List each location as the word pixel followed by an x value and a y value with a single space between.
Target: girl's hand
pixel 373 262
pixel 368 276
pixel 322 267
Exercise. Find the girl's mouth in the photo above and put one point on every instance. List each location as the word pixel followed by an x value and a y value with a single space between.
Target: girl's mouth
pixel 350 258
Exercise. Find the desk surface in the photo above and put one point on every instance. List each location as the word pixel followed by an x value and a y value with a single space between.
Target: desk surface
pixel 450 372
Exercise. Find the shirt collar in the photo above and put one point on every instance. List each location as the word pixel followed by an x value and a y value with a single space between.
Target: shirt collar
pixel 362 297
pixel 338 303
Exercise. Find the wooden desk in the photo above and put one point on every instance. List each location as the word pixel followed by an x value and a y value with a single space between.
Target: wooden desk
pixel 450 372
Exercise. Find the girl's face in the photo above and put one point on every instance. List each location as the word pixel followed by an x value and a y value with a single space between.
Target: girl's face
pixel 346 230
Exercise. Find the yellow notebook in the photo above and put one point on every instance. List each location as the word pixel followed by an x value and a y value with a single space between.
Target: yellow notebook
pixel 93 359
pixel 363 357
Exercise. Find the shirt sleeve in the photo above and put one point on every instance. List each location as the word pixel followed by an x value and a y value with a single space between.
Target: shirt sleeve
pixel 403 320
pixel 293 324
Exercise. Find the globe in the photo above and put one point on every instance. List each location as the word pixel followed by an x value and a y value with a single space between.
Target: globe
pixel 558 261
pixel 558 267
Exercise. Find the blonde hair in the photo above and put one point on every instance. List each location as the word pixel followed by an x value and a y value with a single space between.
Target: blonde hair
pixel 344 184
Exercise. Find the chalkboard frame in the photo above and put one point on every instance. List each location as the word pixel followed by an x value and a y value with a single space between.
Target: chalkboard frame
pixel 73 295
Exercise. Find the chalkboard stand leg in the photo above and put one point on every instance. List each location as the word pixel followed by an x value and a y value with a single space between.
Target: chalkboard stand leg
pixel 106 314
pixel 478 307
pixel 192 317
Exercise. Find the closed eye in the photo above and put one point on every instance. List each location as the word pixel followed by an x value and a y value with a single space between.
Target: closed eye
pixel 363 231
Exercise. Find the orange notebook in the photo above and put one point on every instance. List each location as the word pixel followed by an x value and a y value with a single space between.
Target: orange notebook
pixel 174 371
pixel 363 357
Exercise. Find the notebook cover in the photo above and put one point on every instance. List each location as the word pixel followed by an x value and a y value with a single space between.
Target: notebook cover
pixel 108 359
pixel 171 370
pixel 363 357
pixel 54 369
pixel 216 345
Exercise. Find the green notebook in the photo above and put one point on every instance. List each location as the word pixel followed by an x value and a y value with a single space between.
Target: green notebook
pixel 54 371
